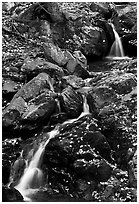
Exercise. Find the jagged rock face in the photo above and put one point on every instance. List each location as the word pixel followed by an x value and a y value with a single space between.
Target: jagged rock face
pixel 109 103
pixel 73 154
pixel 73 27
pixel 34 101
pixel 74 64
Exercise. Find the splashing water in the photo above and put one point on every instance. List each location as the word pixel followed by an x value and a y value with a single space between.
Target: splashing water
pixel 32 178
pixel 117 50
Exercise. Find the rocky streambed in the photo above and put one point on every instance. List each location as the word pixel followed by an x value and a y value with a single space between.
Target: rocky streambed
pixel 53 66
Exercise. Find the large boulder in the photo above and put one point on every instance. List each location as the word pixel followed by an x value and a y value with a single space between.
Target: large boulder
pixel 71 102
pixel 34 101
pixel 74 154
pixel 112 100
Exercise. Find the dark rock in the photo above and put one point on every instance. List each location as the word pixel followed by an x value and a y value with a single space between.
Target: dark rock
pixel 6 168
pixel 85 189
pixel 10 194
pixel 58 118
pixel 32 102
pixel 129 43
pixel 85 169
pixel 99 142
pixel 96 42
pixel 104 171
pixel 109 33
pixel 71 156
pixel 71 102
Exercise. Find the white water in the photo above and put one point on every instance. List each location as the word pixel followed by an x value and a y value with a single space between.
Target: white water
pixel 32 178
pixel 117 50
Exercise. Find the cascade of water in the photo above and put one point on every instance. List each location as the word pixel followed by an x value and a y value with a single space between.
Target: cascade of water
pixel 117 48
pixel 33 175
pixel 32 178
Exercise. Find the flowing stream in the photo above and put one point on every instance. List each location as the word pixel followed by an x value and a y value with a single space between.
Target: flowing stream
pixel 32 178
pixel 117 50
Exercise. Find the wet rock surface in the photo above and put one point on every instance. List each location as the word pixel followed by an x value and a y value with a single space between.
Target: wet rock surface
pixel 52 78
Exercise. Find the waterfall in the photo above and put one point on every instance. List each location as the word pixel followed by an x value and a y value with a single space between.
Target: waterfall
pixel 117 48
pixel 32 178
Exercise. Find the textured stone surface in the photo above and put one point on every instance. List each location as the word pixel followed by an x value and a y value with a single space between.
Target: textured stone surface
pixel 31 103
